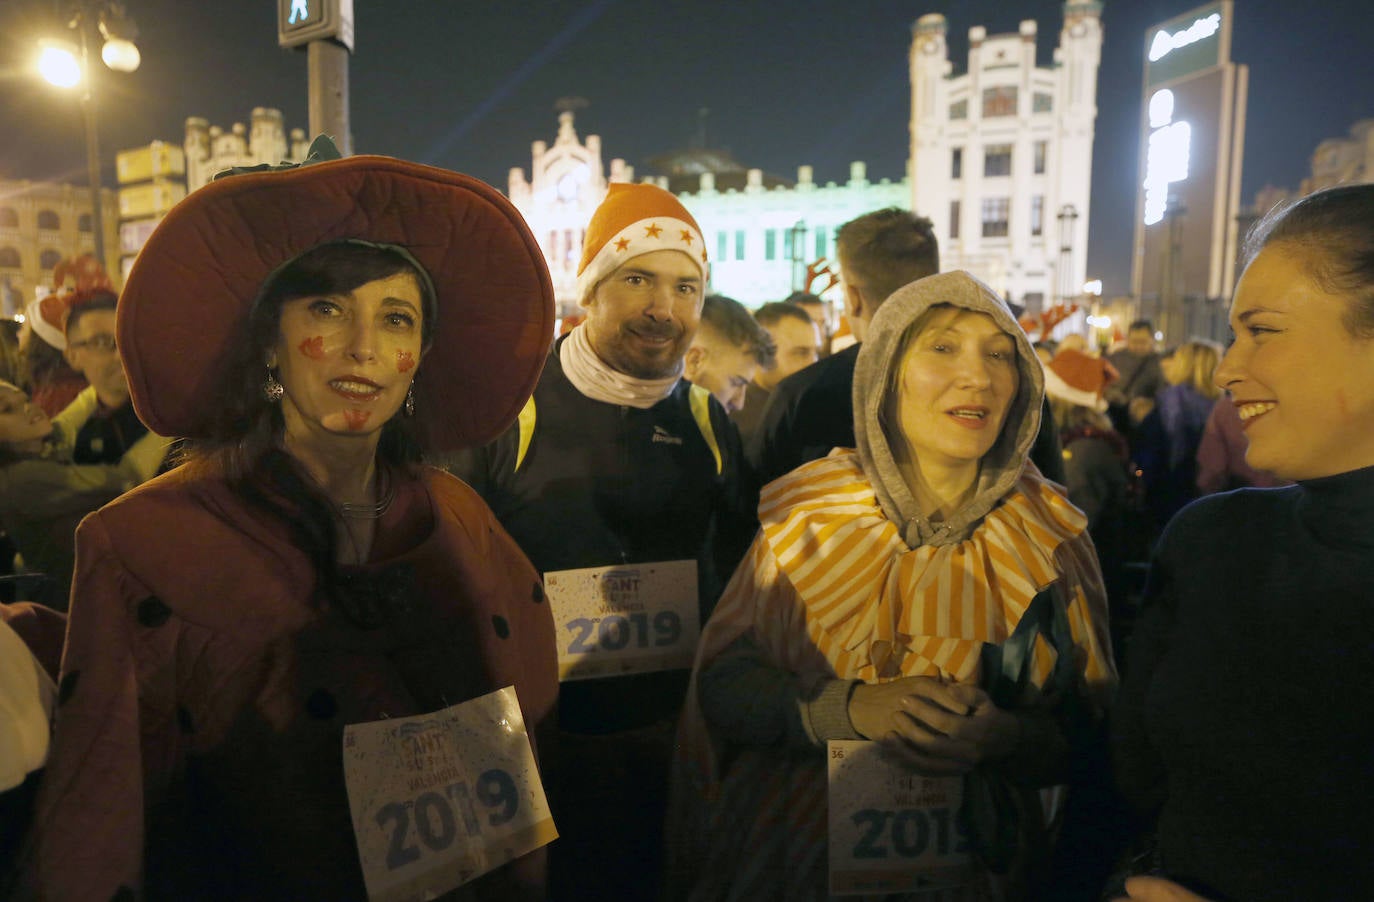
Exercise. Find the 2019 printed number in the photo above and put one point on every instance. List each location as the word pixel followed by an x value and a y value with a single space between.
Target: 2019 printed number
pixel 616 632
pixel 909 832
pixel 434 815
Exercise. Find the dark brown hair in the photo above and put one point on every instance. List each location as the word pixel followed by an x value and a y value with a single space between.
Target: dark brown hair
pixel 244 441
pixel 1333 233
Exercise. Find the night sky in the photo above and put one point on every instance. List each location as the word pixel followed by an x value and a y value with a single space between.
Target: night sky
pixel 468 84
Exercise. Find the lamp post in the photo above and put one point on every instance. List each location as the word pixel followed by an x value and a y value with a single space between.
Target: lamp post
pixel 65 67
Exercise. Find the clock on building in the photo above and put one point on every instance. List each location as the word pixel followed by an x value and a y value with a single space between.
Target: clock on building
pixel 567 188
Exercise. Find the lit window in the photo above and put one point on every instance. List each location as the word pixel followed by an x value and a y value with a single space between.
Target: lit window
pixel 997 159
pixel 995 213
pixel 1000 101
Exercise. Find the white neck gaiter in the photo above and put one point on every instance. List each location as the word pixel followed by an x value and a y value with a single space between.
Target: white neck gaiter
pixel 591 375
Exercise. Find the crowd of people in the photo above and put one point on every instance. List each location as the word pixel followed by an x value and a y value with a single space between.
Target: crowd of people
pixel 381 591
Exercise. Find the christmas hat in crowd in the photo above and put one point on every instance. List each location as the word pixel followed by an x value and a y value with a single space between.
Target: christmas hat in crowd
pixel 635 220
pixel 219 245
pixel 47 316
pixel 1079 378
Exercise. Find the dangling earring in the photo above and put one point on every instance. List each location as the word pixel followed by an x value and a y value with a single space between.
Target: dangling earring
pixel 272 390
pixel 410 400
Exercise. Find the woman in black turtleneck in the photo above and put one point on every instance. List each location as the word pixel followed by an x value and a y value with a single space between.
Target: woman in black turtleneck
pixel 1245 724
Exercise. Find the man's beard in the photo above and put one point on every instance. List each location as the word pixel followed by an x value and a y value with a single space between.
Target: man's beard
pixel 641 366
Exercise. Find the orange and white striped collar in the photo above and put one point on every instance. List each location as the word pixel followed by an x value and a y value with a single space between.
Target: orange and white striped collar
pixel 878 609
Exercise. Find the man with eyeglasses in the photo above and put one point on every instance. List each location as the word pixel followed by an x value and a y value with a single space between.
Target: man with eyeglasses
pixel 100 426
pixel 97 450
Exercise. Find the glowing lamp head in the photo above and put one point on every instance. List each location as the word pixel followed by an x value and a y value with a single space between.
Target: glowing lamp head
pixel 59 64
pixel 121 55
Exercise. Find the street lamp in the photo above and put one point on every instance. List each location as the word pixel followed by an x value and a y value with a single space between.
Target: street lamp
pixel 65 66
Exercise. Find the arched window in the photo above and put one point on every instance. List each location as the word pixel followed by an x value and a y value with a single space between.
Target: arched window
pixel 9 218
pixel 47 219
pixel 9 258
pixel 48 259
pixel 83 222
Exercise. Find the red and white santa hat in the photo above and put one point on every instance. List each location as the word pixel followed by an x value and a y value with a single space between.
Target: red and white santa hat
pixel 1079 378
pixel 634 220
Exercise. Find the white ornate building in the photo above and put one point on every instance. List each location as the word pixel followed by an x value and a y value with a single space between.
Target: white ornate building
pixel 1001 156
pixel 761 231
pixel 1000 160
pixel 568 182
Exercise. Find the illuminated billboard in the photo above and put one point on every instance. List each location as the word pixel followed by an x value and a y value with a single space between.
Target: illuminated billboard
pixel 1191 146
pixel 1193 42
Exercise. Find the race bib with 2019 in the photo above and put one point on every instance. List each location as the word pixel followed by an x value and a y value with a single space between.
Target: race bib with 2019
pixel 440 799
pixel 891 830
pixel 630 618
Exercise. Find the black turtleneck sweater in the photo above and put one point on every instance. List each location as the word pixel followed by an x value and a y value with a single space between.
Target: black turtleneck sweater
pixel 1246 717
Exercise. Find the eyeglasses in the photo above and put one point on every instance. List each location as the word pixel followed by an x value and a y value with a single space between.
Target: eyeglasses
pixel 101 341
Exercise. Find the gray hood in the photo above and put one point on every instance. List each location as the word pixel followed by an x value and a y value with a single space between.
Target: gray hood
pixel 1002 465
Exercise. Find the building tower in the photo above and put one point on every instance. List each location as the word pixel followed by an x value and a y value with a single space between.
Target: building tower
pixel 1001 156
pixel 568 182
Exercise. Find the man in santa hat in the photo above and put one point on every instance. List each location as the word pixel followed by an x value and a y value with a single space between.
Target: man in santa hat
pixel 625 486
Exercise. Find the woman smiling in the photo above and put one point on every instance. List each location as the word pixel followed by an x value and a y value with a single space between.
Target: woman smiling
pixel 1242 729
pixel 311 332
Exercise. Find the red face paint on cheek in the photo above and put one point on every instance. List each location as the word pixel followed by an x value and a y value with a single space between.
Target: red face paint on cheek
pixel 405 361
pixel 357 419
pixel 313 347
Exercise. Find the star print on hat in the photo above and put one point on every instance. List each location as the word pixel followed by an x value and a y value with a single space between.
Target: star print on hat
pixel 635 220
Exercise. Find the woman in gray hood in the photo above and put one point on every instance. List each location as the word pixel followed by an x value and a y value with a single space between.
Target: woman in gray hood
pixel 928 591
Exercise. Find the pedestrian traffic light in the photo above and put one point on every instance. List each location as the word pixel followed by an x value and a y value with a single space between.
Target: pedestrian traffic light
pixel 302 21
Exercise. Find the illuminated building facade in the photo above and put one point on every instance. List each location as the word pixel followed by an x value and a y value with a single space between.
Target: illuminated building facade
pixel 761 230
pixel 40 224
pixel 210 149
pixel 1191 149
pixel 1001 155
pixel 567 183
pixel 1000 160
pixel 1343 161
